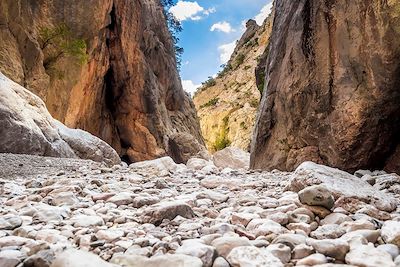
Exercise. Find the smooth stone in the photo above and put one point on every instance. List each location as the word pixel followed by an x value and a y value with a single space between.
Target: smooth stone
pixel 313 259
pixel 335 218
pixel 306 228
pixel 281 251
pixel 243 218
pixel 10 222
pixel 197 164
pixel 9 262
pixel 371 235
pixel 141 201
pixel 301 251
pixel 263 227
pixel 318 211
pixel 279 217
pixel 79 258
pixel 167 210
pixel 123 198
pixel 232 157
pixel 195 248
pixel 362 224
pixel 64 198
pixel 317 195
pixel 334 248
pixel 213 195
pixel 171 260
pixel 328 231
pixel 290 240
pixel 393 250
pixel 86 221
pixel 299 218
pixel 248 256
pixel 43 258
pixel 109 235
pixel 220 262
pixel 10 258
pixel 225 244
pixel 369 256
pixel 7 241
pixel 391 232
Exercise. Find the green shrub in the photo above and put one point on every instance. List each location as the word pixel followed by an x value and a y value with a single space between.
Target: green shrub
pixel 239 59
pixel 210 82
pixel 254 103
pixel 225 69
pixel 221 143
pixel 212 102
pixel 57 43
pixel 243 125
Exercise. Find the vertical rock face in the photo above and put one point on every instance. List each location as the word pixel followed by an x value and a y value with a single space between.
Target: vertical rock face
pixel 332 86
pixel 227 105
pixel 128 92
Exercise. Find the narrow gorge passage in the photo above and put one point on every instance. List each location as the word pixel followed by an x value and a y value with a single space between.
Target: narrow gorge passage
pixel 230 133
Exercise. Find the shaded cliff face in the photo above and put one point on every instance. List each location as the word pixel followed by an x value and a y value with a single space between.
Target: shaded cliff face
pixel 331 87
pixel 227 107
pixel 128 92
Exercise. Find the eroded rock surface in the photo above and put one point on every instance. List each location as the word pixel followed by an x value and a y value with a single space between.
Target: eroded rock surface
pixel 128 91
pixel 331 86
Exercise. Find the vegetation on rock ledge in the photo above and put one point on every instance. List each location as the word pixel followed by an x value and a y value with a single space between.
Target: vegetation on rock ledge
pixel 58 42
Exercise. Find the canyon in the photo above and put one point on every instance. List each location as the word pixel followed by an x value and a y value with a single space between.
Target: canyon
pixel 103 160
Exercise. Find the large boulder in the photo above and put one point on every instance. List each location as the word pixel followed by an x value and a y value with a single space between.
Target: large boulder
pixel 232 157
pixel 340 184
pixel 26 127
pixel 183 146
pixel 331 90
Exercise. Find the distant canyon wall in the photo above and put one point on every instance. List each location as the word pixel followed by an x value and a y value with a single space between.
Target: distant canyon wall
pixel 332 86
pixel 125 89
pixel 227 105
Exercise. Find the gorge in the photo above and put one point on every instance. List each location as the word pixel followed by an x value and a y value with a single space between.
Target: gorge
pixel 287 157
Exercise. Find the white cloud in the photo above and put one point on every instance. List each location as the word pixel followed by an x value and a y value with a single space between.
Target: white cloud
pixel 222 26
pixel 226 51
pixel 264 13
pixel 189 86
pixel 209 11
pixel 186 10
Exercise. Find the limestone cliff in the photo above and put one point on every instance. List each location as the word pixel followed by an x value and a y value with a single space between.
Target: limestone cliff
pixel 227 105
pixel 124 89
pixel 26 127
pixel 331 86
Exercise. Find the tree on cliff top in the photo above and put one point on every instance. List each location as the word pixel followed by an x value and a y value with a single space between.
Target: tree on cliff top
pixel 175 27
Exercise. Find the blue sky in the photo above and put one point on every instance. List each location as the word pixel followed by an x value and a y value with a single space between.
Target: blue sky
pixel 210 30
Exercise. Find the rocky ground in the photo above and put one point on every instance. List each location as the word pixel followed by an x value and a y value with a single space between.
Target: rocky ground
pixel 62 212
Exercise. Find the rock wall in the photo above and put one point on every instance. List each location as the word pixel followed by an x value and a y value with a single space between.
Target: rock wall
pixel 331 86
pixel 127 92
pixel 26 127
pixel 230 119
